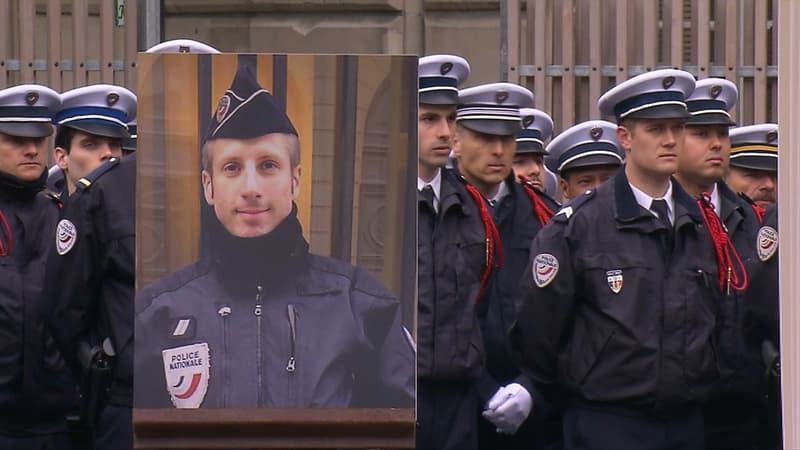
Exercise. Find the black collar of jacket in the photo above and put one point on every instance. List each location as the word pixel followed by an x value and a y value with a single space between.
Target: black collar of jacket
pixel 630 213
pixel 733 209
pixel 453 193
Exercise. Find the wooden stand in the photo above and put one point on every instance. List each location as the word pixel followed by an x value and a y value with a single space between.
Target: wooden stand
pixel 273 428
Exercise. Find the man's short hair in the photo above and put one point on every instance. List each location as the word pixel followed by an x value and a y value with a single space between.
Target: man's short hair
pixel 64 137
pixel 294 153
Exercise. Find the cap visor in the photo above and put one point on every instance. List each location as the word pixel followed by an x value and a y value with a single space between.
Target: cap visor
pixel 756 162
pixel 100 129
pixel 710 119
pixel 592 160
pixel 129 144
pixel 494 127
pixel 529 148
pixel 660 112
pixel 29 129
pixel 439 98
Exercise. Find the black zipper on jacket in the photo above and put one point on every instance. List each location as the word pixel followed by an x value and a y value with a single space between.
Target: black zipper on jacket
pixel 257 312
pixel 291 364
pixel 224 312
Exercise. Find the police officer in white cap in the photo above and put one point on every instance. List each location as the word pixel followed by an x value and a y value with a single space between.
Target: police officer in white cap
pixel 92 122
pixel 487 124
pixel 584 156
pixel 537 127
pixel 754 163
pixel 36 390
pixel 617 307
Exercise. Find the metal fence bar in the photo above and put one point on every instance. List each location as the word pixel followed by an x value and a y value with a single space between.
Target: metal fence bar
pixel 26 30
pixel 703 37
pixel 567 59
pixel 595 60
pixel 622 41
pixel 79 13
pixel 107 41
pixel 760 62
pixel 53 62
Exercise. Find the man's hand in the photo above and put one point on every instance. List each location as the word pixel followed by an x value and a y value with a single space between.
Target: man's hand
pixel 508 408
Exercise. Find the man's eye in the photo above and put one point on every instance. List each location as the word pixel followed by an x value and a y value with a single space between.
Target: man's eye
pixel 230 168
pixel 269 165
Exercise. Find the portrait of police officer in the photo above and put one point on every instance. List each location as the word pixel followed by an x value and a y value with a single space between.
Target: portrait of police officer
pixel 91 125
pixel 754 163
pixel 260 321
pixel 584 156
pixel 528 164
pixel 731 413
pixel 36 390
pixel 618 327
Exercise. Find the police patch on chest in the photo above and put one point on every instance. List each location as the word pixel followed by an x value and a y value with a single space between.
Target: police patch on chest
pixel 66 235
pixel 614 278
pixel 767 243
pixel 186 370
pixel 545 269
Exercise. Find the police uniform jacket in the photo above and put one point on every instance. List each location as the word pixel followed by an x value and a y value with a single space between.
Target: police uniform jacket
pixel 762 303
pixel 518 224
pixel 35 386
pixel 618 309
pixel 317 333
pixel 91 270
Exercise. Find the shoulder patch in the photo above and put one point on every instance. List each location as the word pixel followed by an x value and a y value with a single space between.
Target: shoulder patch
pixel 767 243
pixel 545 269
pixel 186 370
pixel 563 214
pixel 87 181
pixel 66 235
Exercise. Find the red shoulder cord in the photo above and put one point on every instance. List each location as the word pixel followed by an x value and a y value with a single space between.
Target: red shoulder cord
pixel 494 248
pixel 726 252
pixel 543 213
pixel 7 230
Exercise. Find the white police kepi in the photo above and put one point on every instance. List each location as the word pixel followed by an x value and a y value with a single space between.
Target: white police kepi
pixel 660 94
pixel 493 108
pixel 755 147
pixel 711 101
pixel 182 46
pixel 591 143
pixel 439 78
pixel 27 110
pixel 537 127
pixel 99 109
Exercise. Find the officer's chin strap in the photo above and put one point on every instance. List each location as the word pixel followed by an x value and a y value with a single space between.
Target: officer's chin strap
pixel 726 252
pixel 543 213
pixel 494 249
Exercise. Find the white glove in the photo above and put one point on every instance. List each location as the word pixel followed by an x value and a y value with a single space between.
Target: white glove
pixel 508 408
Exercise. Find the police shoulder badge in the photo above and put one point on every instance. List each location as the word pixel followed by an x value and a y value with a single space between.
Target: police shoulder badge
pixel 545 269
pixel 614 278
pixel 66 235
pixel 767 243
pixel 186 370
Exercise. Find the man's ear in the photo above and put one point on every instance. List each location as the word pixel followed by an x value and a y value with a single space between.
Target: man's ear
pixel 624 135
pixel 62 158
pixel 296 173
pixel 562 183
pixel 208 187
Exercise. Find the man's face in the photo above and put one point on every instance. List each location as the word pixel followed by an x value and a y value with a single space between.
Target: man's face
pixel 706 153
pixel 22 157
pixel 652 146
pixel 436 127
pixel 760 185
pixel 252 184
pixel 530 166
pixel 580 179
pixel 484 159
pixel 87 152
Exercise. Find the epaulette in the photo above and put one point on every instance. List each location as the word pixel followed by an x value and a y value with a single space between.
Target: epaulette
pixel 563 214
pixel 87 181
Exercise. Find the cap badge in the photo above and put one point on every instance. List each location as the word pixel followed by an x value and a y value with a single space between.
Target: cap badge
pixel 596 133
pixel 501 96
pixel 527 121
pixel 184 49
pixel 772 136
pixel 112 99
pixel 668 82
pixel 222 107
pixel 715 91
pixel 445 68
pixel 31 98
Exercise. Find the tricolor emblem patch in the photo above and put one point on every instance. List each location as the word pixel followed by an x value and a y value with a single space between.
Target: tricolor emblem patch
pixel 614 278
pixel 767 243
pixel 545 269
pixel 186 370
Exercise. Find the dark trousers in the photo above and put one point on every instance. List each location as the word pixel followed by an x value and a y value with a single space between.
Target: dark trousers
pixel 529 436
pixel 446 416
pixel 604 428
pixel 733 423
pixel 53 441
pixel 114 429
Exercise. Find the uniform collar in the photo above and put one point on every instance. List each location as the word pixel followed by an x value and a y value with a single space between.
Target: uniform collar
pixel 502 192
pixel 435 184
pixel 645 201
pixel 715 200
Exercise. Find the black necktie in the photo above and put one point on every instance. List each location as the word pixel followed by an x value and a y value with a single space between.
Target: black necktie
pixel 660 208
pixel 427 195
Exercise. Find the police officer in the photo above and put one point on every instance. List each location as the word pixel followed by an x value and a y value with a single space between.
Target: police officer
pixel 754 163
pixel 91 124
pixel 528 162
pixel 260 321
pixel 36 391
pixel 452 228
pixel 487 123
pixel 90 271
pixel 584 156
pixel 623 321
pixel 729 415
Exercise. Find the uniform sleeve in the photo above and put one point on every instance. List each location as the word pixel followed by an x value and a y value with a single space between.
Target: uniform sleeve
pixel 67 295
pixel 149 384
pixel 545 305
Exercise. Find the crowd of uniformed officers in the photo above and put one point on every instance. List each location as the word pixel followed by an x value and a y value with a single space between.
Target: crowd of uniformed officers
pixel 631 302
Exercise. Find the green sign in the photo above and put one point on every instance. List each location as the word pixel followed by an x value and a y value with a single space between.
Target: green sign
pixel 119 13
